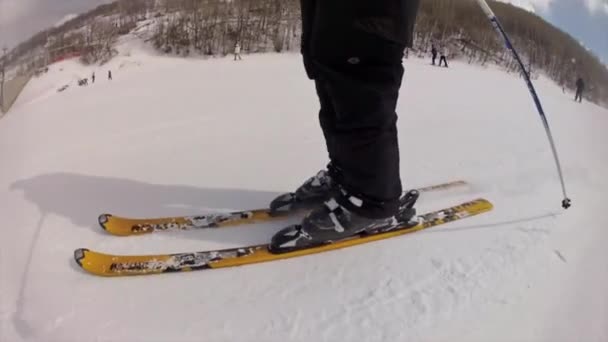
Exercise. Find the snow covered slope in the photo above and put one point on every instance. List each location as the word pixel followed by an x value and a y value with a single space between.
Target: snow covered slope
pixel 184 136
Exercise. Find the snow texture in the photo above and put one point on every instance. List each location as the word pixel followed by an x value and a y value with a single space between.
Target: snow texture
pixel 171 136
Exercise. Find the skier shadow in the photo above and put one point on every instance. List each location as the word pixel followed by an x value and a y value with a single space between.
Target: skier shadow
pixel 82 198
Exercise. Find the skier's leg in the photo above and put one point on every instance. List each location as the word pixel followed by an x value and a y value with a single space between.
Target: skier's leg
pixel 357 58
pixel 359 62
pixel 364 140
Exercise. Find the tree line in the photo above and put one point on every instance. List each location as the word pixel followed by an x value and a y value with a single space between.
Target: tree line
pixel 212 27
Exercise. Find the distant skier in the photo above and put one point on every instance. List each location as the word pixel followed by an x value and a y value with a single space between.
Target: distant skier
pixel 110 75
pixel 355 59
pixel 434 53
pixel 93 77
pixel 237 51
pixel 580 86
pixel 444 54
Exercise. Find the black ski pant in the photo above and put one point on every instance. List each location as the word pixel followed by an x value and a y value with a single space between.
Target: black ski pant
pixel 353 49
pixel 358 119
pixel 444 60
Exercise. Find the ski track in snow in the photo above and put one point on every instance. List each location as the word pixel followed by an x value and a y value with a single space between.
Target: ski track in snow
pixel 184 136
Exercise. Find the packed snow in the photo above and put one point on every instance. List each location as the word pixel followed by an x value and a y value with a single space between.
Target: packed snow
pixel 172 136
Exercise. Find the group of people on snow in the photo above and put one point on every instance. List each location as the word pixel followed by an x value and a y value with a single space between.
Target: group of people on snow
pixel 85 81
pixel 443 53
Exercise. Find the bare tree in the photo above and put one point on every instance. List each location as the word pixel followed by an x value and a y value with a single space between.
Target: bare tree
pixel 100 38
pixel 213 27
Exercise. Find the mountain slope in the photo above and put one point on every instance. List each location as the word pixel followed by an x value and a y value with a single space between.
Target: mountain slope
pixel 182 136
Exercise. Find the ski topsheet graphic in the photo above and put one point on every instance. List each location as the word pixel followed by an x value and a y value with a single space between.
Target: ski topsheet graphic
pixel 127 265
pixel 123 226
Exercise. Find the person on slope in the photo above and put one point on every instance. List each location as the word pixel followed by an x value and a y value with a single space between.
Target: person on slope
pixel 353 50
pixel 433 53
pixel 444 54
pixel 237 51
pixel 580 86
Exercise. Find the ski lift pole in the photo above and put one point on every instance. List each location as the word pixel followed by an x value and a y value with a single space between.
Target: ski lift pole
pixel 498 27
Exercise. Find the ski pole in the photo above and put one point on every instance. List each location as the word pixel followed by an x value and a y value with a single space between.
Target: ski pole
pixel 501 32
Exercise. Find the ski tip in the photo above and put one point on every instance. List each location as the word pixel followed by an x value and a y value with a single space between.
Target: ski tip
pixel 79 254
pixel 103 219
pixel 445 186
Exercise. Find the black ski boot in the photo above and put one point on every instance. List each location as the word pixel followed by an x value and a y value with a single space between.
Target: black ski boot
pixel 311 194
pixel 332 222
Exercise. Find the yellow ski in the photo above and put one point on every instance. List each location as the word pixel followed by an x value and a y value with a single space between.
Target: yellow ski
pixel 127 265
pixel 124 226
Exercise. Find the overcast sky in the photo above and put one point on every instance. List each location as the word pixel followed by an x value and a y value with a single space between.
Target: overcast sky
pixel 586 20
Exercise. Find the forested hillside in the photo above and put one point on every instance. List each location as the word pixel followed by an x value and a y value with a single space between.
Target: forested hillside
pixel 212 27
